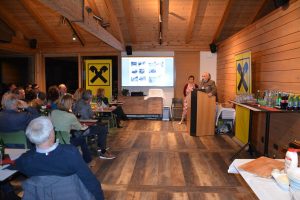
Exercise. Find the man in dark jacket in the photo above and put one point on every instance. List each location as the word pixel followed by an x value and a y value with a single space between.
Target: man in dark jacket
pixel 50 158
pixel 11 118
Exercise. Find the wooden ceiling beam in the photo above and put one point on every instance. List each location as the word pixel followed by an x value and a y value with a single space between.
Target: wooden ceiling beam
pixel 8 18
pixel 165 19
pixel 94 7
pixel 262 6
pixel 222 21
pixel 189 33
pixel 114 20
pixel 17 46
pixel 75 30
pixel 73 11
pixel 29 6
pixel 129 19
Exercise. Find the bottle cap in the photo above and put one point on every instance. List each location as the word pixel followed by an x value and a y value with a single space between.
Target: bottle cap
pixel 293 150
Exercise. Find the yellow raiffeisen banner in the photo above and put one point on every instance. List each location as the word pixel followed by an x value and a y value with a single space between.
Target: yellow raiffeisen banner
pixel 243 73
pixel 98 74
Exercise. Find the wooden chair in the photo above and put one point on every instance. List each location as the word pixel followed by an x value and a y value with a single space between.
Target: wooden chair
pixel 176 108
pixel 110 119
pixel 55 187
pixel 16 139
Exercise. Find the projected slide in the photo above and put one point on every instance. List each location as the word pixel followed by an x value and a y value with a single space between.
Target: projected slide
pixel 147 71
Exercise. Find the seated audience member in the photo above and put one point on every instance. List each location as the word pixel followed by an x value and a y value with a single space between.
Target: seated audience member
pixel 83 109
pixel 32 100
pixel 28 87
pixel 36 88
pixel 11 118
pixel 52 97
pixel 117 110
pixel 11 88
pixel 62 90
pixel 64 120
pixel 20 92
pixel 54 159
pixel 78 94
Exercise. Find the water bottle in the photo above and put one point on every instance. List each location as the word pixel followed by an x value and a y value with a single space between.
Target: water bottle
pixel 291 159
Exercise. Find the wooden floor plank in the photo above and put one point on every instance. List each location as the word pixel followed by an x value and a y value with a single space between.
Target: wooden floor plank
pixel 159 160
pixel 189 172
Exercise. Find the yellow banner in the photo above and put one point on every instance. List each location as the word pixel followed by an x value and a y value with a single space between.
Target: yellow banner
pixel 243 73
pixel 98 74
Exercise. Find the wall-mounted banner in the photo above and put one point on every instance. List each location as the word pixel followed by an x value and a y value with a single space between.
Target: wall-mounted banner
pixel 98 74
pixel 243 73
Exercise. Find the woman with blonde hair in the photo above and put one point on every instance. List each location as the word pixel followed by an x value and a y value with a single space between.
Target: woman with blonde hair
pixel 64 120
pixel 78 94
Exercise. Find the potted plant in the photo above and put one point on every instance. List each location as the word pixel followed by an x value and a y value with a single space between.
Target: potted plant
pixel 125 92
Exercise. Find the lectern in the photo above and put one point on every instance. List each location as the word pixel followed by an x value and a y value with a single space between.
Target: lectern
pixel 201 114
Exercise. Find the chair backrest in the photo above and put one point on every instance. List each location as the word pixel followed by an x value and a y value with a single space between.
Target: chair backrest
pixel 63 136
pixel 55 188
pixel 177 102
pixel 16 139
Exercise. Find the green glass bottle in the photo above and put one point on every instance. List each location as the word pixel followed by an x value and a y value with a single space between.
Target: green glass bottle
pixel 278 99
pixel 296 102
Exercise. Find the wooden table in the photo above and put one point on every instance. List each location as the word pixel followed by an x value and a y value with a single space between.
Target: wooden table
pixel 264 109
pixel 13 154
pixel 118 103
pixel 264 188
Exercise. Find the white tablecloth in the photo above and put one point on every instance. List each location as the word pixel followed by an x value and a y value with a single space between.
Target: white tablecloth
pixel 13 154
pixel 264 188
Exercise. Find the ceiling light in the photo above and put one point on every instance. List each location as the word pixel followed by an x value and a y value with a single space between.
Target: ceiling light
pixel 74 37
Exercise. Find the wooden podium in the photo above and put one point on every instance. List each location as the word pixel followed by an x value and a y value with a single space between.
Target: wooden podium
pixel 201 114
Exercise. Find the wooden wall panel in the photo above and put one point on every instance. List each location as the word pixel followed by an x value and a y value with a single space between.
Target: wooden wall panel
pixel 274 42
pixel 186 64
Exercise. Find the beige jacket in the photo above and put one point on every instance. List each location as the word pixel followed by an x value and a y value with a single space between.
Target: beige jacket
pixel 209 87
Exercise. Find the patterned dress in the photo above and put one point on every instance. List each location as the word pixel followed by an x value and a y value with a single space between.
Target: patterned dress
pixel 190 87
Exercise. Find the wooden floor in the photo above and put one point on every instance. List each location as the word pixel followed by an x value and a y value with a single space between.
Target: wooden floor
pixel 158 160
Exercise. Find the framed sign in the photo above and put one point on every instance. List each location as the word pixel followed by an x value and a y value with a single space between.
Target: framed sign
pixel 98 74
pixel 243 73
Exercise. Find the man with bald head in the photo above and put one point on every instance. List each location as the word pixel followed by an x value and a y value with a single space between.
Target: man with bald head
pixel 62 89
pixel 208 85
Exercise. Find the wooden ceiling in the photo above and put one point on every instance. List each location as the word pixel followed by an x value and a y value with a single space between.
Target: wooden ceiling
pixel 186 24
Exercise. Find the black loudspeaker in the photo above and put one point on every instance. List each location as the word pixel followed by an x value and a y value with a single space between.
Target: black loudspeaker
pixel 279 3
pixel 213 47
pixel 128 50
pixel 33 43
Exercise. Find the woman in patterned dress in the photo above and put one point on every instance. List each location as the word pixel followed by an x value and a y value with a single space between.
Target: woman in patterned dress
pixel 188 88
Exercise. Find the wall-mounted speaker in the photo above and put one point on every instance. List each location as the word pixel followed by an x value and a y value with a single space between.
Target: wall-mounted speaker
pixel 33 43
pixel 128 50
pixel 278 3
pixel 213 47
